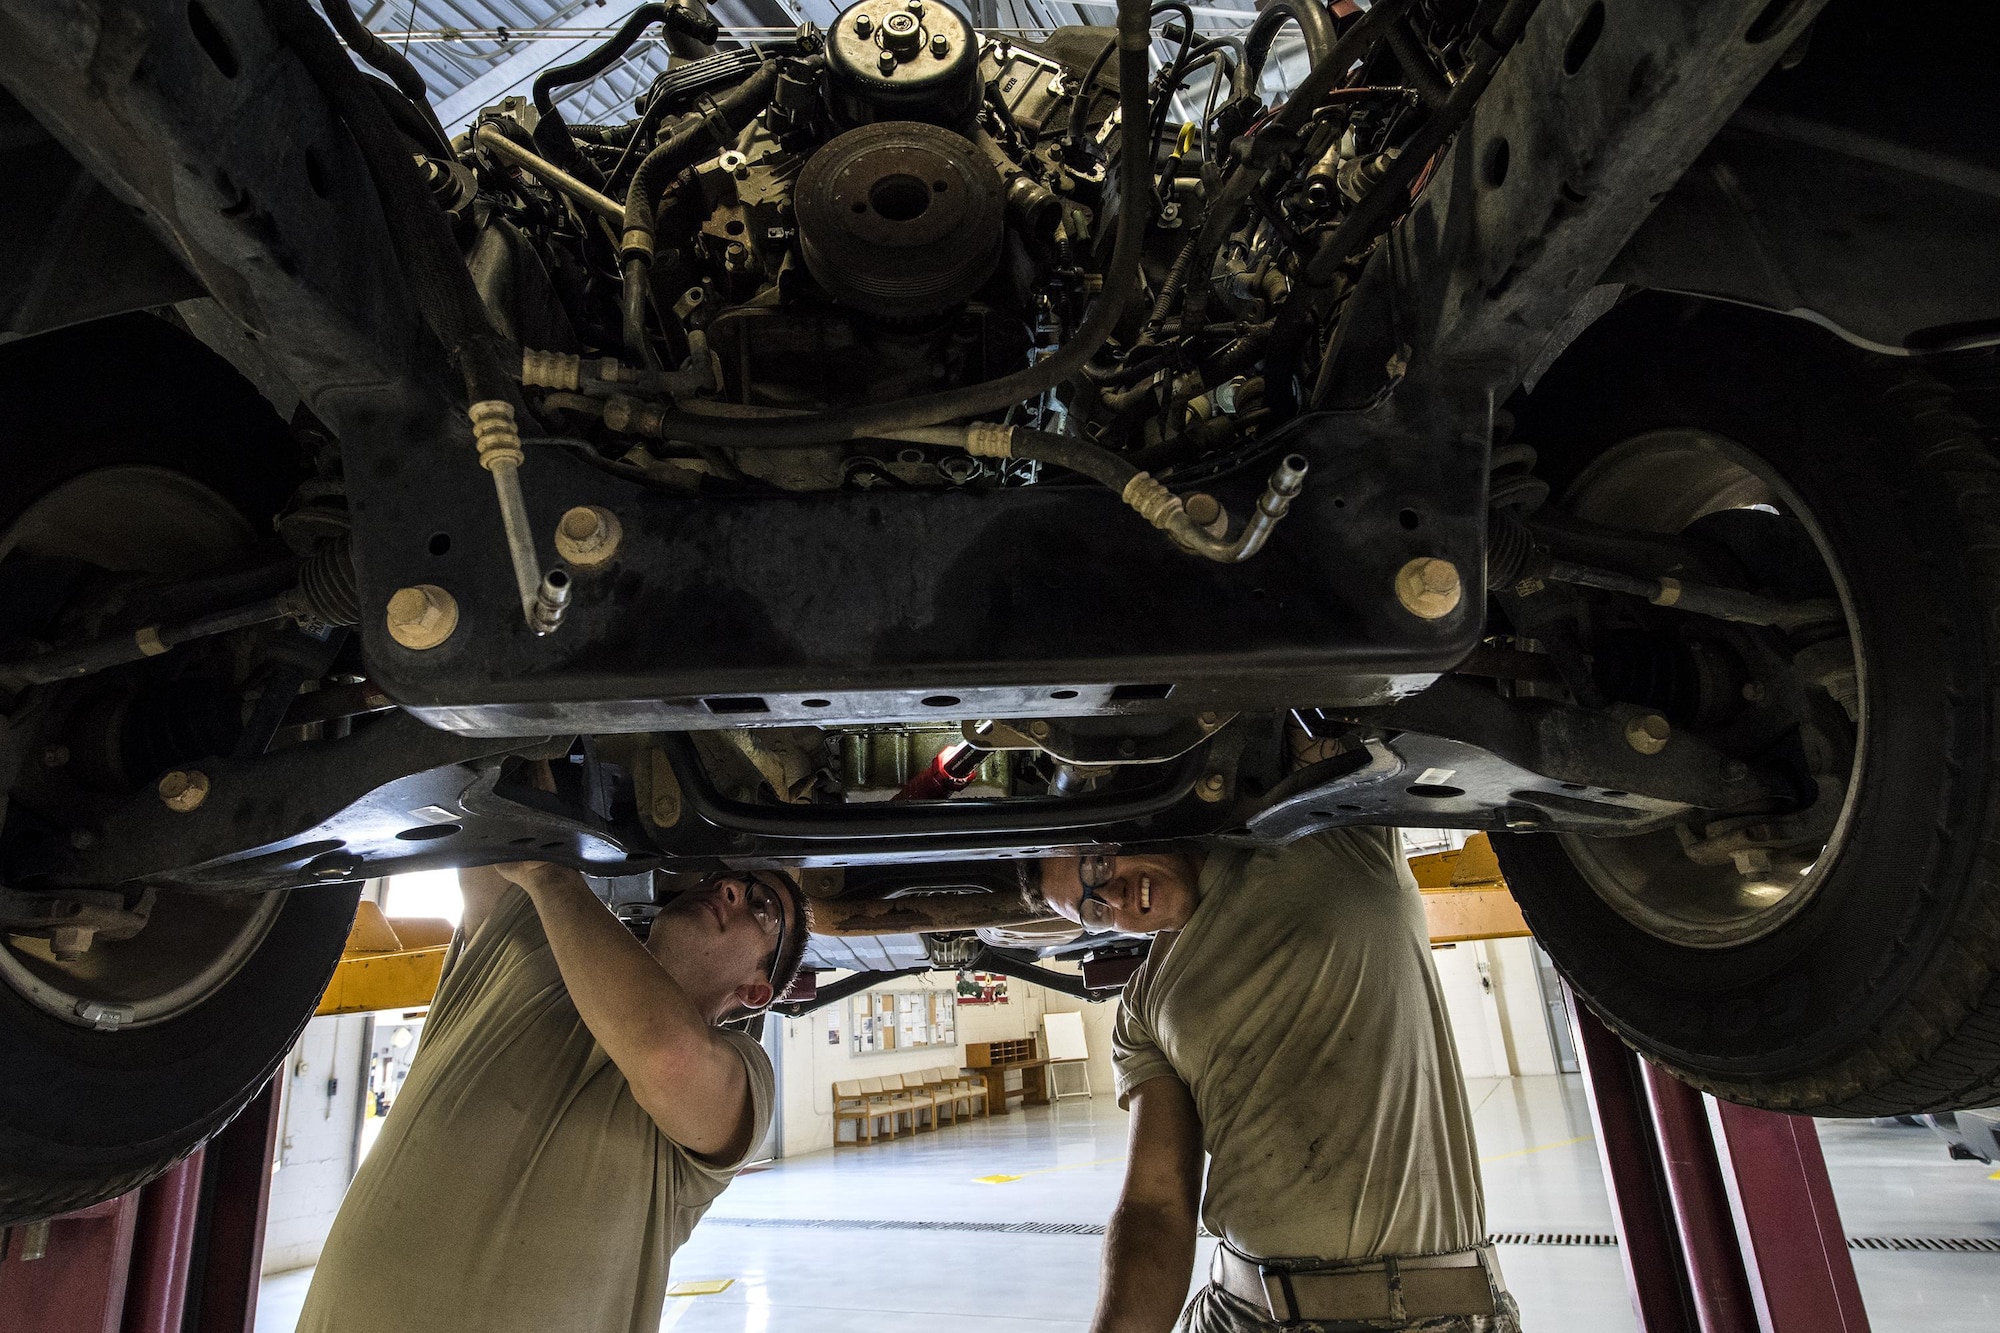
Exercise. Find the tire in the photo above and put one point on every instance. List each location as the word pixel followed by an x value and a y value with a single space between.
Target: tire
pixel 88 1114
pixel 1879 994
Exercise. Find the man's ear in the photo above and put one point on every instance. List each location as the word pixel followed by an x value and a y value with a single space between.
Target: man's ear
pixel 755 995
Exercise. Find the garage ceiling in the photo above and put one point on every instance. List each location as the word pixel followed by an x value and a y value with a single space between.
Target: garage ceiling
pixel 472 53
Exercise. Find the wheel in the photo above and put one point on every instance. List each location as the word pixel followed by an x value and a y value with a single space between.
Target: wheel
pixel 1854 971
pixel 124 1055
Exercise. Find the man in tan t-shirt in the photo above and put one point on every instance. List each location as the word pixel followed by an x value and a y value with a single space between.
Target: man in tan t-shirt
pixel 1289 1023
pixel 573 1110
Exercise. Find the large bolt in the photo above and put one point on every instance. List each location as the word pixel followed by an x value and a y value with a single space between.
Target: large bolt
pixel 588 536
pixel 1429 588
pixel 184 789
pixel 887 62
pixel 422 616
pixel 863 25
pixel 1213 787
pixel 1648 733
pixel 940 45
pixel 1039 730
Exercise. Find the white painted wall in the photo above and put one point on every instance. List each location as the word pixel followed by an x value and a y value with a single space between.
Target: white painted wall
pixel 1495 1006
pixel 1518 996
pixel 316 1139
pixel 813 1065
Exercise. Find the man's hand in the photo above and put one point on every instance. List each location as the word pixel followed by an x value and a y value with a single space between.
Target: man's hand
pixel 681 1070
pixel 1149 1247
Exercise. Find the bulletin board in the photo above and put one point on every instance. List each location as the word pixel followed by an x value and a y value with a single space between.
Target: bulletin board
pixel 885 1020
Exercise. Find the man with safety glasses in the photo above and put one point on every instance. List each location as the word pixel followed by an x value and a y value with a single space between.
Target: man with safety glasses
pixel 574 1108
pixel 1288 1022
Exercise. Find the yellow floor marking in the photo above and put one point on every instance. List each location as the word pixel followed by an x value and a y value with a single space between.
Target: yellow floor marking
pixel 706 1287
pixel 1043 1171
pixel 1540 1147
pixel 1994 1176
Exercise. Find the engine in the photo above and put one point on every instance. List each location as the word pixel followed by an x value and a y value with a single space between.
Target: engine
pixel 896 210
pixel 873 212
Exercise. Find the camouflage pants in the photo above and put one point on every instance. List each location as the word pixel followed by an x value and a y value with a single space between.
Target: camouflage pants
pixel 1214 1310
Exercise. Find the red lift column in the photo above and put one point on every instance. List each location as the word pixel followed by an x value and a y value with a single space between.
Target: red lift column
pixel 1726 1218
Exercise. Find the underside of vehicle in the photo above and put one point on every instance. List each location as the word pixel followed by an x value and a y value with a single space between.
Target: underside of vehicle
pixel 895 452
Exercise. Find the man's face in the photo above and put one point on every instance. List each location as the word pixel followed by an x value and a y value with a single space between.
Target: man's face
pixel 1136 895
pixel 721 937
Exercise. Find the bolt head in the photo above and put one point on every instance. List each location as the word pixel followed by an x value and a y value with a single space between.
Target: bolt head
pixel 940 45
pixel 1429 588
pixel 1208 719
pixel 422 616
pixel 1648 733
pixel 886 62
pixel 863 25
pixel 1212 787
pixel 1128 747
pixel 184 789
pixel 1753 692
pixel 82 839
pixel 588 536
pixel 55 756
pixel 1039 730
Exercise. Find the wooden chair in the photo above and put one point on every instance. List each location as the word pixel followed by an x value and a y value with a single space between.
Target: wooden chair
pixel 888 1103
pixel 972 1091
pixel 918 1096
pixel 943 1099
pixel 850 1103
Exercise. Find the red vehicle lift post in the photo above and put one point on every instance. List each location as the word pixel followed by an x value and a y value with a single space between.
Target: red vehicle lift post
pixel 1726 1218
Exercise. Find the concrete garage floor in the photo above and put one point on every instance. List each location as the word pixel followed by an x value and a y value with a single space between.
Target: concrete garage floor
pixel 891 1238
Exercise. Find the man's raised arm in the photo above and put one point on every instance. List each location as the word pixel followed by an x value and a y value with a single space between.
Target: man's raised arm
pixel 1149 1247
pixel 682 1071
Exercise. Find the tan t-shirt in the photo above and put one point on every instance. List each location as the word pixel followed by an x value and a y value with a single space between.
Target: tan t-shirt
pixel 1300 1006
pixel 516 1185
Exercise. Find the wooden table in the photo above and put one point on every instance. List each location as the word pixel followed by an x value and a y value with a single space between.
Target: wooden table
pixel 1034 1089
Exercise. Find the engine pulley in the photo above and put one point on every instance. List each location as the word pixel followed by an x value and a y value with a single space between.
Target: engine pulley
pixel 899 219
pixel 902 60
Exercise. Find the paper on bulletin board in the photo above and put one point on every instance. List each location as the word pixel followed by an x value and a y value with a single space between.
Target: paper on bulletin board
pixel 1065 1036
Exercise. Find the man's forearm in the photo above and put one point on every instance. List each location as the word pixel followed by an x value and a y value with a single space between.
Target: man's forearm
pixel 1148 1261
pixel 629 1002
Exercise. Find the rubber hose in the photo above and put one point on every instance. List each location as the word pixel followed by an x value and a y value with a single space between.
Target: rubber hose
pixel 385 58
pixel 1315 26
pixel 683 148
pixel 1079 108
pixel 550 132
pixel 1120 285
pixel 1417 67
pixel 1079 456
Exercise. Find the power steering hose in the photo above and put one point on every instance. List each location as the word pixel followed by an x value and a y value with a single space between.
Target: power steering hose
pixel 876 419
pixel 1145 495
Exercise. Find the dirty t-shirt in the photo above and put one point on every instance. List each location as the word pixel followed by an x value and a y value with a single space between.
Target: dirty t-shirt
pixel 1300 1007
pixel 516 1185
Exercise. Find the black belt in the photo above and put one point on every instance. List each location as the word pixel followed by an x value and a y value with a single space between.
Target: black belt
pixel 1391 1288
